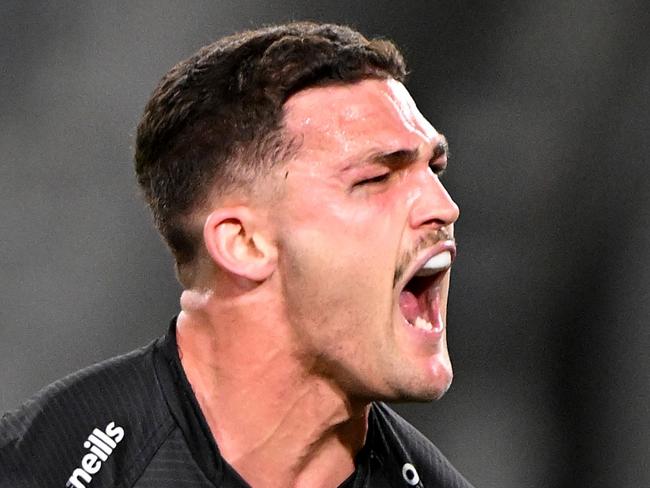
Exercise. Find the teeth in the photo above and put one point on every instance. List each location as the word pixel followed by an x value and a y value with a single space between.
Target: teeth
pixel 423 324
pixel 436 264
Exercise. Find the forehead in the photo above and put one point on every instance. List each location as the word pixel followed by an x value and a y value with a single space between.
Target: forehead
pixel 350 120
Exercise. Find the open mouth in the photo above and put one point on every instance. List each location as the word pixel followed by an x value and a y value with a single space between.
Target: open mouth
pixel 419 300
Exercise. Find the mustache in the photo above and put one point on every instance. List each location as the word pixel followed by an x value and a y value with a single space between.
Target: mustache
pixel 427 240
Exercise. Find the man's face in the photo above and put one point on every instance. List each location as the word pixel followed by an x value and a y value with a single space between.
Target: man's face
pixel 362 210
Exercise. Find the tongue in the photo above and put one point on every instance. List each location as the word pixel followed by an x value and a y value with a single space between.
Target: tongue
pixel 408 304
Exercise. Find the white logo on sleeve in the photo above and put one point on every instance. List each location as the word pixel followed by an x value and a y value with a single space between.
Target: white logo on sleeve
pixel 101 445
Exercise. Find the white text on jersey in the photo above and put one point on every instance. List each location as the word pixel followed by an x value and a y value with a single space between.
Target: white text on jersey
pixel 101 445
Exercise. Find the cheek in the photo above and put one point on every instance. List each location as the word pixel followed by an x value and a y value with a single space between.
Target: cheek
pixel 357 243
pixel 341 247
pixel 352 223
pixel 339 266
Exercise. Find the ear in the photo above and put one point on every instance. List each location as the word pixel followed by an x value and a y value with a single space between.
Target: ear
pixel 234 242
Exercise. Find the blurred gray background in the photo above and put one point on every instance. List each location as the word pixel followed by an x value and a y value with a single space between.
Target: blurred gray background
pixel 546 108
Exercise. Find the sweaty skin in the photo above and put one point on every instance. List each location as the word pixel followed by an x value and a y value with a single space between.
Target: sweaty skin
pixel 284 366
pixel 342 241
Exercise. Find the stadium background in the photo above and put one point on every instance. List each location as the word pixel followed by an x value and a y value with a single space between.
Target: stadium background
pixel 546 108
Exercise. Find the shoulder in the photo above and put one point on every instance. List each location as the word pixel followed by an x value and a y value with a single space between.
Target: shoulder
pixel 413 454
pixel 91 425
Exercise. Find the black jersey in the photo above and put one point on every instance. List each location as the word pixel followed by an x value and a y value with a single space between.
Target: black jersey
pixel 134 422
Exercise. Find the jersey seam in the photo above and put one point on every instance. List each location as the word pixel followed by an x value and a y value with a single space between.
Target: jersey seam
pixel 134 472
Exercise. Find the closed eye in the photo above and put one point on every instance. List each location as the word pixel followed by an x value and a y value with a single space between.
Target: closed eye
pixel 374 180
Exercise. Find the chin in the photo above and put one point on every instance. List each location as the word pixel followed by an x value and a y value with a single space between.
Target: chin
pixel 427 393
pixel 422 395
pixel 442 375
pixel 431 384
pixel 437 391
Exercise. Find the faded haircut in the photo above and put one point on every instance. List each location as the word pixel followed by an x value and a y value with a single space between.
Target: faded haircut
pixel 214 122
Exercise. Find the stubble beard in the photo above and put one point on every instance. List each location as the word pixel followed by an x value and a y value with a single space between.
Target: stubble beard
pixel 427 240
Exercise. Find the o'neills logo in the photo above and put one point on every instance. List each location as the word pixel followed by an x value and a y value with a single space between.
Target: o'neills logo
pixel 101 445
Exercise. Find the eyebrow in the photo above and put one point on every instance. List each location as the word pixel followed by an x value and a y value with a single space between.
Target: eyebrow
pixel 404 157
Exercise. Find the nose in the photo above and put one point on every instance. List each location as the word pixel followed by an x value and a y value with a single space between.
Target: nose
pixel 433 206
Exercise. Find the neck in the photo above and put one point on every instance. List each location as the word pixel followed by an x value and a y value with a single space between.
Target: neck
pixel 276 422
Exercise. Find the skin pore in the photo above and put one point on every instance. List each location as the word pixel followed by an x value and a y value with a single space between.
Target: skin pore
pixel 295 325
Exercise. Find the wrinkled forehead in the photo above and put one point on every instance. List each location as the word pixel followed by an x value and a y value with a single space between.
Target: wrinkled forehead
pixel 368 115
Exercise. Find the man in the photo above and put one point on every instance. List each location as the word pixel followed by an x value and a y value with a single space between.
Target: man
pixel 297 186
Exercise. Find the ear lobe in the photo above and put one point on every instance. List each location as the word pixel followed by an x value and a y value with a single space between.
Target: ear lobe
pixel 235 245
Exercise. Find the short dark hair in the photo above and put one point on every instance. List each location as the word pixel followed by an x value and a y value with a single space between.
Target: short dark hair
pixel 214 122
